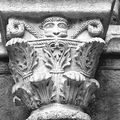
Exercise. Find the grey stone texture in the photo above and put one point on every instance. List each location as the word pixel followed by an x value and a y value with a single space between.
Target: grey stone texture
pixel 106 103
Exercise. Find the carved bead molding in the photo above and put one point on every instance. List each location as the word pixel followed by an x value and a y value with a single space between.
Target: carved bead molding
pixel 53 62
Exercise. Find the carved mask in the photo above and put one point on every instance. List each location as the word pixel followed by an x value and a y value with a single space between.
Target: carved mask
pixel 55 27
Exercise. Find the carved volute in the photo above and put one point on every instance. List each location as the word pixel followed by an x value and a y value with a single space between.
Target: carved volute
pixel 53 62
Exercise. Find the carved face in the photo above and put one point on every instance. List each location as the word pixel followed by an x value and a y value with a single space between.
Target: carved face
pixel 55 27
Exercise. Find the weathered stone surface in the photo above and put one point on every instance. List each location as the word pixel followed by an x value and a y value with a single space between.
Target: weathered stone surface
pixel 54 6
pixel 108 97
pixel 107 104
pixel 77 9
pixel 23 19
pixel 115 14
pixel 8 110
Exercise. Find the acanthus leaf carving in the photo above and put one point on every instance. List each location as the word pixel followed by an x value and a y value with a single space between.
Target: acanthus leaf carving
pixel 57 56
pixel 28 98
pixel 65 68
pixel 87 56
pixel 73 75
pixel 23 57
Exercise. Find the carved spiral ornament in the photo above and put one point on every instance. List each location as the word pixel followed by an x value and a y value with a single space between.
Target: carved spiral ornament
pixel 94 27
pixel 15 28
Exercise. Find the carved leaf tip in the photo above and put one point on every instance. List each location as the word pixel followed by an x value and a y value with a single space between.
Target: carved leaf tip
pixel 13 41
pixel 42 76
pixel 23 57
pixel 73 75
pixel 96 82
pixel 97 39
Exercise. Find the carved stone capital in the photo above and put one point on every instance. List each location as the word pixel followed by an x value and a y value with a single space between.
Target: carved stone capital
pixel 53 62
pixel 57 69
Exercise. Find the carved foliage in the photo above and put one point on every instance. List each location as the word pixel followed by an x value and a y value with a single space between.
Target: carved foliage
pixel 57 56
pixel 79 92
pixel 62 85
pixel 87 56
pixel 23 58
